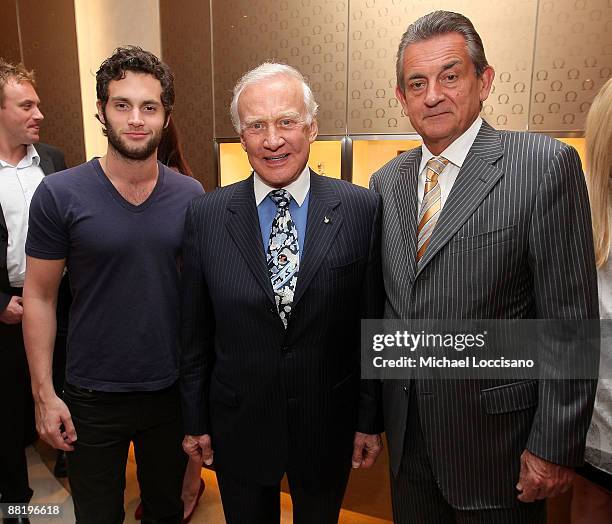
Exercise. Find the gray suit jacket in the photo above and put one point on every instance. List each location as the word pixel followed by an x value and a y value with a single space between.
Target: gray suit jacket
pixel 513 241
pixel 51 160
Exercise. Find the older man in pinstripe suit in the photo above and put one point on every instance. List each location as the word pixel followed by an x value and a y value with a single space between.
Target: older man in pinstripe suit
pixel 479 224
pixel 278 270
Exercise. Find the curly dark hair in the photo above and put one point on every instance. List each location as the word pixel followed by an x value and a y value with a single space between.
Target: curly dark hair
pixel 136 59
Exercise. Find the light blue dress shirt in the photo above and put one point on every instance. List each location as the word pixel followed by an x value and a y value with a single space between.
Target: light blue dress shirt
pixel 266 208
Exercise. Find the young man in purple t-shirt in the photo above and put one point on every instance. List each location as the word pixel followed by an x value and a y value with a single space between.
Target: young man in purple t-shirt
pixel 116 223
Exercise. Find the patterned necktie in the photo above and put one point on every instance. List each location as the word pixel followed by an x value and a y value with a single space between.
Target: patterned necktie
pixel 431 205
pixel 283 255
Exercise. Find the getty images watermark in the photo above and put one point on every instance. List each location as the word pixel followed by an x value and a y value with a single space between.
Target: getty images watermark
pixel 480 349
pixel 458 342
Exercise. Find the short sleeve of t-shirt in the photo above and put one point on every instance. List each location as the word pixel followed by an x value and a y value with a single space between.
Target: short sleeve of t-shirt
pixel 47 233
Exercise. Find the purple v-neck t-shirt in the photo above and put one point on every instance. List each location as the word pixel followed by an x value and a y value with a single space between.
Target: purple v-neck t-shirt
pixel 123 262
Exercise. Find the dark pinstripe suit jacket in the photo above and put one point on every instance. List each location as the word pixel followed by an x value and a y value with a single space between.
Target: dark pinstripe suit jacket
pixel 51 160
pixel 513 241
pixel 263 392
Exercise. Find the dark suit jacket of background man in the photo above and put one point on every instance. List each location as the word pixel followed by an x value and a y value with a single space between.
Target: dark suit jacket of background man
pixel 246 380
pixel 14 377
pixel 513 240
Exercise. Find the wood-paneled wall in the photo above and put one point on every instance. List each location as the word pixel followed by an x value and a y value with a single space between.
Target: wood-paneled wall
pixel 49 46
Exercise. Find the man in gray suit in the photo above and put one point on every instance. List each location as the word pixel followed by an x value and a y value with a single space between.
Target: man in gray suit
pixel 479 224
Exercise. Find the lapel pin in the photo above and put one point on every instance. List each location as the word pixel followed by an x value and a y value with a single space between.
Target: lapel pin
pixel 326 220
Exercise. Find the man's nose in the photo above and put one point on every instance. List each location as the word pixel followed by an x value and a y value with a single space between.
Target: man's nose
pixel 434 94
pixel 273 139
pixel 37 115
pixel 135 118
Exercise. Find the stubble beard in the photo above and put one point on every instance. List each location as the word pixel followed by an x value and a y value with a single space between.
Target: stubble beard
pixel 141 153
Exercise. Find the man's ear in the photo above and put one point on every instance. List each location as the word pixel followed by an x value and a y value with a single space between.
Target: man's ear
pixel 399 94
pixel 100 112
pixel 242 142
pixel 167 122
pixel 314 131
pixel 486 81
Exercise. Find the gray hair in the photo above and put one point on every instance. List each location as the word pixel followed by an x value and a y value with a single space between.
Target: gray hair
pixel 264 72
pixel 436 24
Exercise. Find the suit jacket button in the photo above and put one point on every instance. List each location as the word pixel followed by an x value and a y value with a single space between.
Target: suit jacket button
pixel 406 389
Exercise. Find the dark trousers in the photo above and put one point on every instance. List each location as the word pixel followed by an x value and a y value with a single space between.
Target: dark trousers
pixel 418 500
pixel 16 415
pixel 250 503
pixel 106 423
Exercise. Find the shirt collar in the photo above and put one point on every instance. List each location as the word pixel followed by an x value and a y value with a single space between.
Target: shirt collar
pixel 456 152
pixel 31 158
pixel 298 189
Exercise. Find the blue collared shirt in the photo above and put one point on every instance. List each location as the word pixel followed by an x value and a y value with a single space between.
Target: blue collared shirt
pixel 298 207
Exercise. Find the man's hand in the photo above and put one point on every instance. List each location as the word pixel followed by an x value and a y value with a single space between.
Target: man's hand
pixel 199 448
pixel 540 479
pixel 13 312
pixel 54 423
pixel 366 449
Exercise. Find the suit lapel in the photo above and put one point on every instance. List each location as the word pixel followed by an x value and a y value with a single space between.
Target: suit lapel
pixel 46 164
pixel 2 221
pixel 476 179
pixel 243 226
pixel 323 223
pixel 406 202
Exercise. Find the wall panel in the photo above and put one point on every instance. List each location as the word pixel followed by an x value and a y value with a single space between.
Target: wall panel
pixel 573 60
pixel 102 26
pixel 310 35
pixel 375 28
pixel 191 64
pixel 57 71
pixel 9 31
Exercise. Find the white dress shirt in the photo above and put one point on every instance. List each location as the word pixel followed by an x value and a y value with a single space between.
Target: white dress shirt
pixel 298 189
pixel 17 185
pixel 455 154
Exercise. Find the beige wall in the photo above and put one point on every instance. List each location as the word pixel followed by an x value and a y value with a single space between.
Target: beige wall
pixel 9 31
pixel 29 32
pixel 507 30
pixel 101 26
pixel 550 57
pixel 186 47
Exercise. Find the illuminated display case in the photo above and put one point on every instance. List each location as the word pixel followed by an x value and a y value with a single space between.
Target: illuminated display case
pixel 326 155
pixel 370 153
pixel 350 158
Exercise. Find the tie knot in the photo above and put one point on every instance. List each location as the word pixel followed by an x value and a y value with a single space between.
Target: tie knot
pixel 280 197
pixel 435 166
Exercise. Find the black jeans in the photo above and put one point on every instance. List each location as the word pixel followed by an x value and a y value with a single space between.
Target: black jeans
pixel 106 423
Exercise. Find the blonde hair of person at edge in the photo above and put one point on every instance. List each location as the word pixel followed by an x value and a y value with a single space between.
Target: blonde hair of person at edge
pixel 592 498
